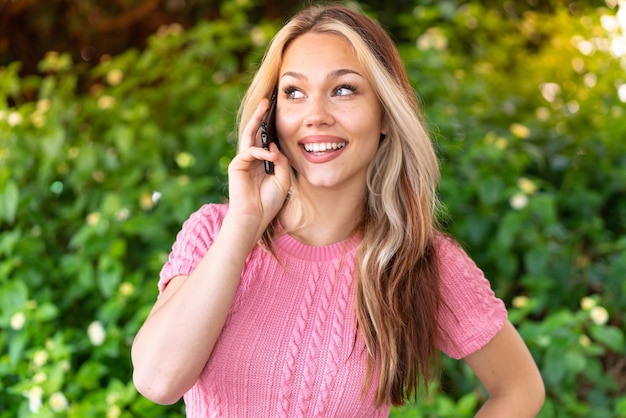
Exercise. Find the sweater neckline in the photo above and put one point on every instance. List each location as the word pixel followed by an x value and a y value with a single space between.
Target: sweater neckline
pixel 288 244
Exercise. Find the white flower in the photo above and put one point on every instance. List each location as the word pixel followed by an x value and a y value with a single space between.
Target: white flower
pixel 550 91
pixel 106 102
pixel 519 130
pixel 526 185
pixel 38 120
pixel 58 402
pixel 14 119
pixel 258 36
pixel 618 46
pixel 93 218
pixel 621 93
pixel 584 341
pixel 65 365
pixel 114 412
pixel 96 333
pixel 112 398
pixel 520 301
pixel 34 398
pixel 40 377
pixel 501 143
pixel 156 196
pixel 17 321
pixel 127 289
pixel 573 106
pixel 584 46
pixel 587 303
pixel 40 358
pixel 43 105
pixel 145 201
pixel 518 201
pixel 599 315
pixel 115 77
pixel 433 38
pixel 590 79
pixel 122 214
pixel 50 344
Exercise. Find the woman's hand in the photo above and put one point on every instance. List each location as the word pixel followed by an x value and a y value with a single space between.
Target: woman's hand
pixel 254 195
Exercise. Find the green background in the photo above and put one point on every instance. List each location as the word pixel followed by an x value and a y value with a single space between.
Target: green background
pixel 110 139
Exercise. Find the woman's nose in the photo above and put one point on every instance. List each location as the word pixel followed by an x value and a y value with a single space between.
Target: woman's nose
pixel 319 112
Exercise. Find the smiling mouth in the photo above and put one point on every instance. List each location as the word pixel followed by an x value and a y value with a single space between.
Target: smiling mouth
pixel 323 146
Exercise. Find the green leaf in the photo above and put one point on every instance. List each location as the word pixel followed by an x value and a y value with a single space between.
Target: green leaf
pixel 610 336
pixel 509 228
pixel 8 241
pixel 9 199
pixel 536 260
pixel 620 407
pixel 89 374
pixel 467 404
pixel 17 344
pixel 490 190
pixel 575 362
pixel 46 312
pixel 13 296
pixel 109 275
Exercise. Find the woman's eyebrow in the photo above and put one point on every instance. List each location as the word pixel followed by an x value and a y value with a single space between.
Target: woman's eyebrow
pixel 330 76
pixel 342 71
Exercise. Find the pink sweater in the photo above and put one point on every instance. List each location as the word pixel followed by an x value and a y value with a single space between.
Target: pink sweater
pixel 286 349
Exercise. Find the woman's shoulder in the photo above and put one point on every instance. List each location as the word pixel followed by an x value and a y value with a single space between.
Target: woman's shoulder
pixel 201 226
pixel 450 252
pixel 212 210
pixel 208 215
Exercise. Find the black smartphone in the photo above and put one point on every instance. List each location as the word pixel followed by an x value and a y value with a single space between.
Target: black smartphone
pixel 268 131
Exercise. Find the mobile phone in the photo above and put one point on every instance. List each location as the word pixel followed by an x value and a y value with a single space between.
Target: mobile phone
pixel 268 131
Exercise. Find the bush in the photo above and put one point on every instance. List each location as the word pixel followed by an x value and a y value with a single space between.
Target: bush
pixel 99 167
pixel 94 188
pixel 529 116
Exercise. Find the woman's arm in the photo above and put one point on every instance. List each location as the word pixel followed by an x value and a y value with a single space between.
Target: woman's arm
pixel 510 375
pixel 176 340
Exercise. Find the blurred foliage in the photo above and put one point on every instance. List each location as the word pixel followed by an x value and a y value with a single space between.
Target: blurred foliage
pixel 89 29
pixel 99 167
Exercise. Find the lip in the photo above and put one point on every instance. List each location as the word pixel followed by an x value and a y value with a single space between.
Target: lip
pixel 326 147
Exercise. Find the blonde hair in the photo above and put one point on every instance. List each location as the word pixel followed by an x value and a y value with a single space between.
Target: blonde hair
pixel 397 283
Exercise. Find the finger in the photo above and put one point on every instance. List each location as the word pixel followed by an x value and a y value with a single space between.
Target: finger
pixel 251 135
pixel 248 157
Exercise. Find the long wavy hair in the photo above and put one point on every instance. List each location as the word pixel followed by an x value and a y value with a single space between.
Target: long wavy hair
pixel 397 278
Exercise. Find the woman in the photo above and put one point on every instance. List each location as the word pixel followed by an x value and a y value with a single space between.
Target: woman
pixel 325 289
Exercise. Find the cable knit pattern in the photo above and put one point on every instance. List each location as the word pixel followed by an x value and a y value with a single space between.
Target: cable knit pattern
pixel 311 364
pixel 294 346
pixel 288 346
pixel 336 340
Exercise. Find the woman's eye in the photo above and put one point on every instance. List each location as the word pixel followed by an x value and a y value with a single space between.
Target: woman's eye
pixel 293 93
pixel 345 90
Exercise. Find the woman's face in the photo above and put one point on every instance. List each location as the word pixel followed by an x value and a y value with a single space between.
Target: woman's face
pixel 328 118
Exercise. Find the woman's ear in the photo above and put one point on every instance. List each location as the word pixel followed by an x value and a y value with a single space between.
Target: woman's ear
pixel 383 130
pixel 383 126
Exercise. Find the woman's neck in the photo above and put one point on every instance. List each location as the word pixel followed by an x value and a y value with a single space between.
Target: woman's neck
pixel 329 216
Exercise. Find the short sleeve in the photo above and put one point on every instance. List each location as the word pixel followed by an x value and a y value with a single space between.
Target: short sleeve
pixel 471 315
pixel 192 242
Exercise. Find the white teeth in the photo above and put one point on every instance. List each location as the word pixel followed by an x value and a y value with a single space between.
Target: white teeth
pixel 322 147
